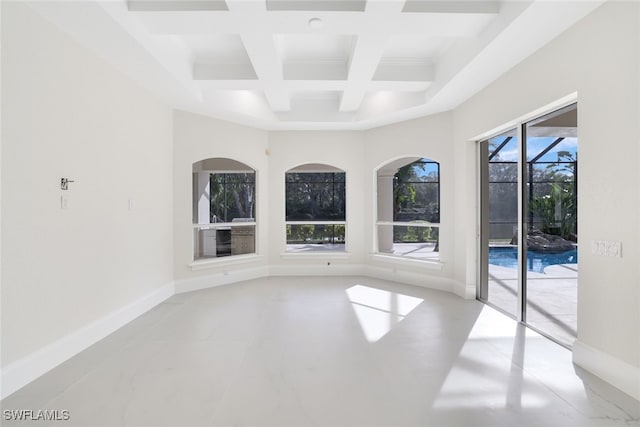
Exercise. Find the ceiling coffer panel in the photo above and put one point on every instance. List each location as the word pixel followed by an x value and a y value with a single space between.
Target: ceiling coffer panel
pixel 175 5
pixel 317 5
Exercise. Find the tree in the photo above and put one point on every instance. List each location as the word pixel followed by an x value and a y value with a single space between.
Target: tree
pixel 416 198
pixel 232 195
pixel 315 196
pixel 554 202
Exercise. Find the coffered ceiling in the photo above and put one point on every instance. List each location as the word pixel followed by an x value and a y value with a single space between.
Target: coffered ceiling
pixel 314 64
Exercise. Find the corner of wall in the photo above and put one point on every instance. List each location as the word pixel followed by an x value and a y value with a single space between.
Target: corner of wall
pixel 616 372
pixel 219 278
pixel 23 371
pixel 465 291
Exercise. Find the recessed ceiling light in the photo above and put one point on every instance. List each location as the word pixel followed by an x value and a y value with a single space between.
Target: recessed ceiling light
pixel 315 23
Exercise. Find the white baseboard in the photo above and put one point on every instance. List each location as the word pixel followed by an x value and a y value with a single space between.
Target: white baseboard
pixel 464 291
pixel 616 372
pixel 221 278
pixel 315 269
pixel 18 374
pixel 411 278
pixel 333 269
pixel 21 372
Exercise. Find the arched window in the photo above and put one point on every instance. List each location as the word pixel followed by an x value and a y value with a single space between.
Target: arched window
pixel 224 205
pixel 408 221
pixel 315 208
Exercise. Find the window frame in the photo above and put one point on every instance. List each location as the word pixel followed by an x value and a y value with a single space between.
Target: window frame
pixel 248 247
pixel 415 224
pixel 322 248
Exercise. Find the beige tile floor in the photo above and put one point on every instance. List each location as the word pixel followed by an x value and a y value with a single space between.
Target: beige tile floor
pixel 341 351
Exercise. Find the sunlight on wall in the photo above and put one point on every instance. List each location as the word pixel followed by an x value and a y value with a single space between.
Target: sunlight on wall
pixel 378 311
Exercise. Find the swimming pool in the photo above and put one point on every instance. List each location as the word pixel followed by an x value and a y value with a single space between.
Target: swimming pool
pixel 536 261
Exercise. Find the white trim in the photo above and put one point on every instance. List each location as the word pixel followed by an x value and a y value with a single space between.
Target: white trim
pixel 424 224
pixel 465 291
pixel 565 101
pixel 221 278
pixel 616 372
pixel 203 264
pixel 430 264
pixel 411 278
pixel 21 372
pixel 216 225
pixel 315 255
pixel 315 223
pixel 317 269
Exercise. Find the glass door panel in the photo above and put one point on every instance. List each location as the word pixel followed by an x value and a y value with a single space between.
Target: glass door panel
pixel 551 207
pixel 499 270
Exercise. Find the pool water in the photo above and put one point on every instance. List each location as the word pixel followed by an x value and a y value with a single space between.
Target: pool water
pixel 536 261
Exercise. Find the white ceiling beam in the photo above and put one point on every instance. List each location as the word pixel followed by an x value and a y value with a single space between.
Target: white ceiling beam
pixel 367 53
pixel 175 5
pixel 316 70
pixel 267 64
pixel 448 6
pixel 385 102
pixel 384 6
pixel 293 86
pixel 411 6
pixel 404 70
pixel 263 53
pixel 317 5
pixel 336 23
pixel 208 71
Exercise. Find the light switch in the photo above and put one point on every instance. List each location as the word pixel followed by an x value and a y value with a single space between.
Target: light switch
pixel 64 202
pixel 130 204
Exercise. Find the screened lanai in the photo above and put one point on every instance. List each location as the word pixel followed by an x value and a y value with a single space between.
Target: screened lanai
pixel 548 180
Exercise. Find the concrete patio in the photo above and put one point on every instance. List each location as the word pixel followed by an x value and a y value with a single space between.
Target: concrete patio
pixel 552 298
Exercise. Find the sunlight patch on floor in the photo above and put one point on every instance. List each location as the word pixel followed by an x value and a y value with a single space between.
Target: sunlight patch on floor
pixel 378 311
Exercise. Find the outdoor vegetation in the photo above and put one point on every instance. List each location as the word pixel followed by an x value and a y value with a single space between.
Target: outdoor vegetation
pixel 553 206
pixel 416 198
pixel 315 197
pixel 552 192
pixel 232 196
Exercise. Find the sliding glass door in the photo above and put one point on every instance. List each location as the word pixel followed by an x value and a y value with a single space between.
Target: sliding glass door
pixel 529 240
pixel 552 217
pixel 499 270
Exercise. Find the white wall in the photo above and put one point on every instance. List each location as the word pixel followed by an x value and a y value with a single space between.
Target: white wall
pixel 597 58
pixel 67 114
pixel 343 150
pixel 197 138
pixel 429 137
pixel 1 139
pixel 359 154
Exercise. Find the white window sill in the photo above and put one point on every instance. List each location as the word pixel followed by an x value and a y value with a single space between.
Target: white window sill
pixel 203 264
pixel 315 255
pixel 403 260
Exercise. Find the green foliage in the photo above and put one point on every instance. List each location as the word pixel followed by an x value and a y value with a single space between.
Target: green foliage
pixel 408 234
pixel 315 196
pixel 305 232
pixel 232 196
pixel 557 207
pixel 557 210
pixel 315 234
pixel 416 191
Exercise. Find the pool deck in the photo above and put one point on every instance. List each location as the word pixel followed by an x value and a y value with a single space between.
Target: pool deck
pixel 552 298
